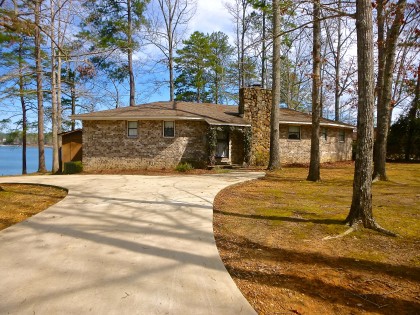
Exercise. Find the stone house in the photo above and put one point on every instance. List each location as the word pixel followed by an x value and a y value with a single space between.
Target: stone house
pixel 163 134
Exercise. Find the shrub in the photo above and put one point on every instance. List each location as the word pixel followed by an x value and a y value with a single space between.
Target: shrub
pixel 261 158
pixel 73 167
pixel 184 167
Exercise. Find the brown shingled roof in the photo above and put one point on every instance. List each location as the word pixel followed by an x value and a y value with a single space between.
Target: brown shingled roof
pixel 291 116
pixel 211 113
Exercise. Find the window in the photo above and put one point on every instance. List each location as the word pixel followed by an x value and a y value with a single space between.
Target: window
pixel 341 136
pixel 169 129
pixel 294 133
pixel 324 133
pixel 132 130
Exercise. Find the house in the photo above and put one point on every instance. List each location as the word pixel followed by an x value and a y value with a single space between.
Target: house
pixel 163 134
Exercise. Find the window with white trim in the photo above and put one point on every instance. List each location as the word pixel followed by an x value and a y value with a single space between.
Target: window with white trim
pixel 324 133
pixel 132 129
pixel 341 136
pixel 294 133
pixel 169 129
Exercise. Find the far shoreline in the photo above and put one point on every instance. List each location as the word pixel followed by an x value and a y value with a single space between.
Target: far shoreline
pixel 28 145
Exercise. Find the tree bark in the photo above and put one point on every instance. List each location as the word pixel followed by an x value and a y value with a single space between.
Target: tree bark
pixel 361 206
pixel 130 55
pixel 386 53
pixel 38 69
pixel 274 162
pixel 337 65
pixel 171 73
pixel 314 165
pixel 55 161
pixel 60 39
pixel 170 50
pixel 412 117
pixel 23 106
pixel 243 32
pixel 264 47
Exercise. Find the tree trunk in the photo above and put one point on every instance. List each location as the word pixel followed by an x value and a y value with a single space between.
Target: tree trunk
pixel 130 56
pixel 59 108
pixel 171 74
pixel 361 206
pixel 73 103
pixel 23 106
pixel 337 65
pixel 274 162
pixel 238 40
pixel 216 87
pixel 387 57
pixel 38 61
pixel 170 51
pixel 412 117
pixel 314 166
pixel 243 32
pixel 55 161
pixel 264 48
pixel 59 65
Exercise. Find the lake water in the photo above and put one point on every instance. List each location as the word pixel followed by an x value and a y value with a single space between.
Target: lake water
pixel 11 159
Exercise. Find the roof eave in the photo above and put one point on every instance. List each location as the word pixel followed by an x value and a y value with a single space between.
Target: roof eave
pixel 81 117
pixel 228 124
pixel 310 123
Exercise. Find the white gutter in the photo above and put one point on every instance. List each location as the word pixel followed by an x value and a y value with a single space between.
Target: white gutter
pixel 229 124
pixel 73 117
pixel 310 123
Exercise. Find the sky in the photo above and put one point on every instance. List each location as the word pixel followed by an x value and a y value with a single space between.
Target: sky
pixel 211 16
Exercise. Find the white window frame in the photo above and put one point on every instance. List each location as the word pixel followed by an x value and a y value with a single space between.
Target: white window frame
pixel 324 133
pixel 163 128
pixel 128 128
pixel 300 133
pixel 341 135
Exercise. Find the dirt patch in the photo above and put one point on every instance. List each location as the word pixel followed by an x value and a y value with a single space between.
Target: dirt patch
pixel 21 201
pixel 269 233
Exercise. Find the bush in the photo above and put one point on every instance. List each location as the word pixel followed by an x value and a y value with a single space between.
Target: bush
pixel 261 158
pixel 184 167
pixel 73 167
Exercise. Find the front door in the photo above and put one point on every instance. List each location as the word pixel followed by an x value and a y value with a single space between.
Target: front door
pixel 222 147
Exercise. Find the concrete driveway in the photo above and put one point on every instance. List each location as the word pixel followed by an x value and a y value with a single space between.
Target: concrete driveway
pixel 120 244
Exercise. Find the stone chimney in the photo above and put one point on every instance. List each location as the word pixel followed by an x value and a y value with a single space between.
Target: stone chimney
pixel 255 107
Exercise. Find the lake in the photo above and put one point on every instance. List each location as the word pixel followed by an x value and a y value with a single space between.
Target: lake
pixel 11 159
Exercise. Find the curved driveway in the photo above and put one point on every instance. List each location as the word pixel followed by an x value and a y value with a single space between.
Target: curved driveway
pixel 120 244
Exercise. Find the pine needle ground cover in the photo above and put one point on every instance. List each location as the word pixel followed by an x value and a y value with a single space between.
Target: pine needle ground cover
pixel 270 236
pixel 20 201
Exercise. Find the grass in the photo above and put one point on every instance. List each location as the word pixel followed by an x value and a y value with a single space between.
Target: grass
pixel 269 233
pixel 21 201
pixel 184 167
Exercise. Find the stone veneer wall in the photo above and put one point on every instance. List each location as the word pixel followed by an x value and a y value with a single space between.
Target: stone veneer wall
pixel 255 106
pixel 299 151
pixel 107 146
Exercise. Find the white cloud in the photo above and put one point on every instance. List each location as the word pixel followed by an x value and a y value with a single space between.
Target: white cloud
pixel 212 16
